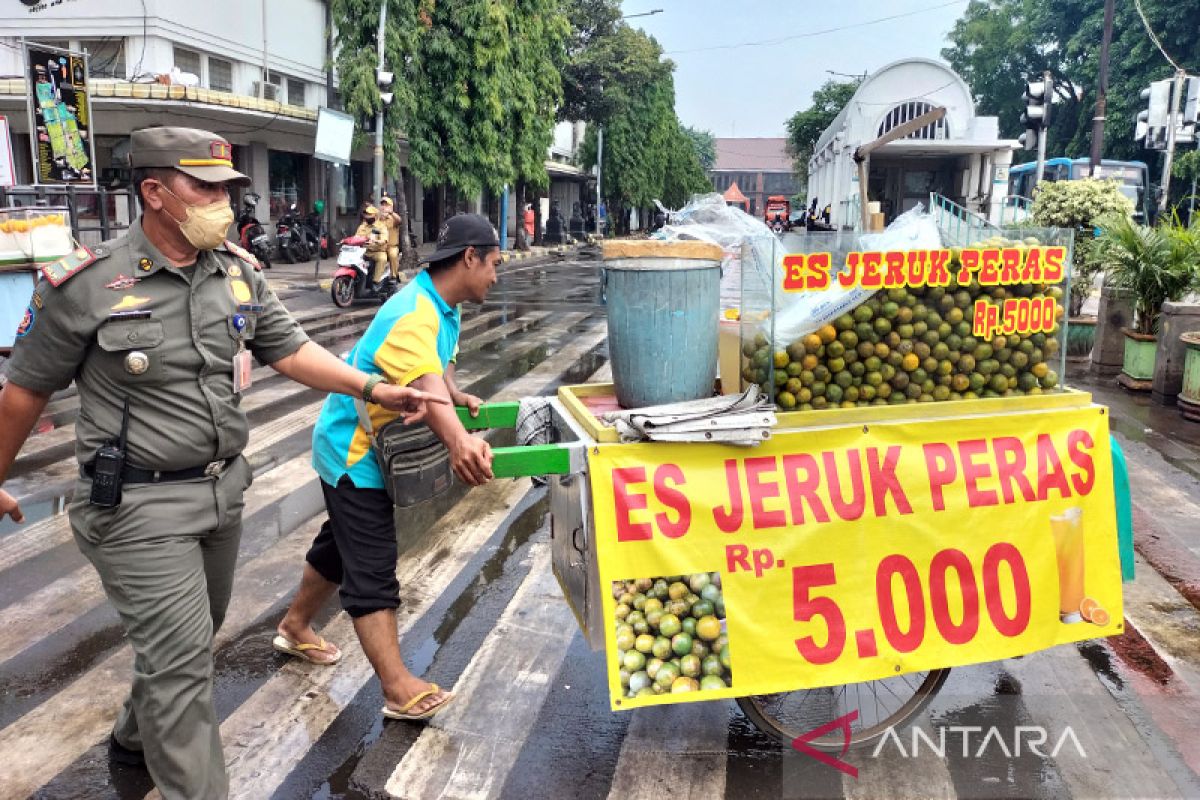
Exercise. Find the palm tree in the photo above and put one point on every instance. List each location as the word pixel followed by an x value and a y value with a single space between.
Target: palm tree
pixel 1155 264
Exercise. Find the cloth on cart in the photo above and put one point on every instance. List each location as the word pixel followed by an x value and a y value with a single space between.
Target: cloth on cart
pixel 1124 510
pixel 535 425
pixel 745 418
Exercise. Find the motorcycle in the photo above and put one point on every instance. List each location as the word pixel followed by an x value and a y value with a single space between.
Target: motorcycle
pixel 316 236
pixel 289 237
pixel 352 280
pixel 251 234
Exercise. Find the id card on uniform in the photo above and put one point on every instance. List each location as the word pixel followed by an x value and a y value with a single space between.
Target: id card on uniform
pixel 242 367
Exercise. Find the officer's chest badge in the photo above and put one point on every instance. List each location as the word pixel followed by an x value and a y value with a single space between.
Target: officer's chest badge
pixel 137 362
pixel 241 291
pixel 129 302
pixel 121 283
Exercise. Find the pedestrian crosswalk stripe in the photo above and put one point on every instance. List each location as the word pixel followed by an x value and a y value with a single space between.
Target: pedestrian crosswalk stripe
pixel 468 750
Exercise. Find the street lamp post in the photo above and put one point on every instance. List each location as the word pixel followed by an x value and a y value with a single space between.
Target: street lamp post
pixel 383 79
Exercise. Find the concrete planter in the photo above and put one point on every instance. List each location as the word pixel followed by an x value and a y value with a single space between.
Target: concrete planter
pixel 1177 319
pixel 1115 314
pixel 1140 352
pixel 1081 337
pixel 1189 396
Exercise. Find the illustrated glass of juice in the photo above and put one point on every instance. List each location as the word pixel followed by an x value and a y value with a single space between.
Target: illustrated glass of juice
pixel 1067 530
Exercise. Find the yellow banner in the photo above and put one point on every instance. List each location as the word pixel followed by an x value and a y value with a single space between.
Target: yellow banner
pixel 852 553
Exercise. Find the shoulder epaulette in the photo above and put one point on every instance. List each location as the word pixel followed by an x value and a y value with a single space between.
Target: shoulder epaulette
pixel 58 272
pixel 241 253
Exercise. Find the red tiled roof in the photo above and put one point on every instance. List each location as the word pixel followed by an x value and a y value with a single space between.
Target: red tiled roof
pixel 752 155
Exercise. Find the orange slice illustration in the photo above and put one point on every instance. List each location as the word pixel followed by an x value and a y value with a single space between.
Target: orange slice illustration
pixel 1099 617
pixel 1088 606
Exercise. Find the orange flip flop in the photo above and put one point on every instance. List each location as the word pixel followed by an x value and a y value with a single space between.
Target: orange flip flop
pixel 304 650
pixel 433 689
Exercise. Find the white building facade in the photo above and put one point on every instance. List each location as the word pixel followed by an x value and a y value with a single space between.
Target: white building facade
pixel 960 157
pixel 218 52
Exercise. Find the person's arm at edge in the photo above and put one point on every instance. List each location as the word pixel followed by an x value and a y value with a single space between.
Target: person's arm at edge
pixel 317 368
pixel 20 409
pixel 458 396
pixel 470 456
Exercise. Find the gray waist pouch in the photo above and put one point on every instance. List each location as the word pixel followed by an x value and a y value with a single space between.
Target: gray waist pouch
pixel 414 462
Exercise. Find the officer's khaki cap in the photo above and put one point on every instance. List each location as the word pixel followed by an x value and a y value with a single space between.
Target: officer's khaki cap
pixel 202 154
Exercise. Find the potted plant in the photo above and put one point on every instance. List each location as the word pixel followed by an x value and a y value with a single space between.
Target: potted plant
pixel 1155 265
pixel 1080 205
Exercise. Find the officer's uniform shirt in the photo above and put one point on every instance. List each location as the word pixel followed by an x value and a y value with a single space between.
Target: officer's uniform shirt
pixel 415 333
pixel 175 365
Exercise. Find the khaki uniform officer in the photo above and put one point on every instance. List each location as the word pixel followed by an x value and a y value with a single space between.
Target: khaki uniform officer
pixel 163 321
pixel 375 232
pixel 392 219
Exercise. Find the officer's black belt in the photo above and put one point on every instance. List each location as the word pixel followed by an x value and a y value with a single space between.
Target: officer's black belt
pixel 131 474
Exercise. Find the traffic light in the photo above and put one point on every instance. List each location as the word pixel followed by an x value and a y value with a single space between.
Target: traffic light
pixel 1151 128
pixel 1037 111
pixel 384 78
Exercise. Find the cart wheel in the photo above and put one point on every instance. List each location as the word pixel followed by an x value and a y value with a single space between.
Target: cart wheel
pixel 886 703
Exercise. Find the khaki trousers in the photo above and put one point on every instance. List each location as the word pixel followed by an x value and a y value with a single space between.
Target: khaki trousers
pixel 166 557
pixel 393 253
pixel 380 260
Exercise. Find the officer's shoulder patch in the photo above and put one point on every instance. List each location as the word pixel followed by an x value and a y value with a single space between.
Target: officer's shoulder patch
pixel 241 253
pixel 59 272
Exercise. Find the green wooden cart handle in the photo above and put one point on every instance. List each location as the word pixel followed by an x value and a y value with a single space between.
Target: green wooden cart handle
pixel 534 459
pixel 491 415
pixel 521 461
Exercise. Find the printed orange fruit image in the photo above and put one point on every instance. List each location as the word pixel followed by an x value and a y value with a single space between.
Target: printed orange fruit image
pixel 1088 606
pixel 1099 617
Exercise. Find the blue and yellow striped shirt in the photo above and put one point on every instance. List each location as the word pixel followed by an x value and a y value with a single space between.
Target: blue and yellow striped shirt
pixel 415 333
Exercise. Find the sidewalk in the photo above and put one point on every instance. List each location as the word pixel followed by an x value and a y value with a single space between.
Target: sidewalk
pixel 316 275
pixel 1163 454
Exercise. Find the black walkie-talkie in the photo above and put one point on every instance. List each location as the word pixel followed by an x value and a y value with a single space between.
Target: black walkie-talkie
pixel 108 466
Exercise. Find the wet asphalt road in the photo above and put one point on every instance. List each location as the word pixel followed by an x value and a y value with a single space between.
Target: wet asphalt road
pixel 482 613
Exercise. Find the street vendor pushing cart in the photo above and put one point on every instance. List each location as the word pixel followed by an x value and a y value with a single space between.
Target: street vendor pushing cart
pixel 412 341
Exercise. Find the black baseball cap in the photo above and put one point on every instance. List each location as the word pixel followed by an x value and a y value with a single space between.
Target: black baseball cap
pixel 460 232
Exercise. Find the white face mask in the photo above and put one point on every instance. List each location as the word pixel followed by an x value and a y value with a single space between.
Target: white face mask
pixel 204 226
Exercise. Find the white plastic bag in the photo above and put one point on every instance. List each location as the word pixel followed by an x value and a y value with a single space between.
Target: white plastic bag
pixel 809 311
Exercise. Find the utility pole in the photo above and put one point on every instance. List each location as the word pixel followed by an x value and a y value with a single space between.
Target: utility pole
pixel 599 162
pixel 1172 128
pixel 378 192
pixel 1102 91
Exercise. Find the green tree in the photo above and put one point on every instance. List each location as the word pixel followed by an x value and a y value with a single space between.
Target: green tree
pixel 356 61
pixel 647 156
pixel 586 64
pixel 997 44
pixel 539 35
pixel 690 155
pixel 705 145
pixel 805 127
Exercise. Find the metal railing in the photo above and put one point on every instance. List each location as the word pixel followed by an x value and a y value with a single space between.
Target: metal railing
pixel 959 225
pixel 1015 210
pixel 92 221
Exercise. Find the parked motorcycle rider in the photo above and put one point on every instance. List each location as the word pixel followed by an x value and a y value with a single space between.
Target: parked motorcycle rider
pixel 377 242
pixel 393 222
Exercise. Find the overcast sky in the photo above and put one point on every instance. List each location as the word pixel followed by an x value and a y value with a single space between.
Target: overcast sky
pixel 753 90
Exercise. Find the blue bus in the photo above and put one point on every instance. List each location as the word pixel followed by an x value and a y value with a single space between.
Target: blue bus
pixel 1133 176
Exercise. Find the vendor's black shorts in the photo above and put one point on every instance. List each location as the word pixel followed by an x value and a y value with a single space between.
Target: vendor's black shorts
pixel 356 547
